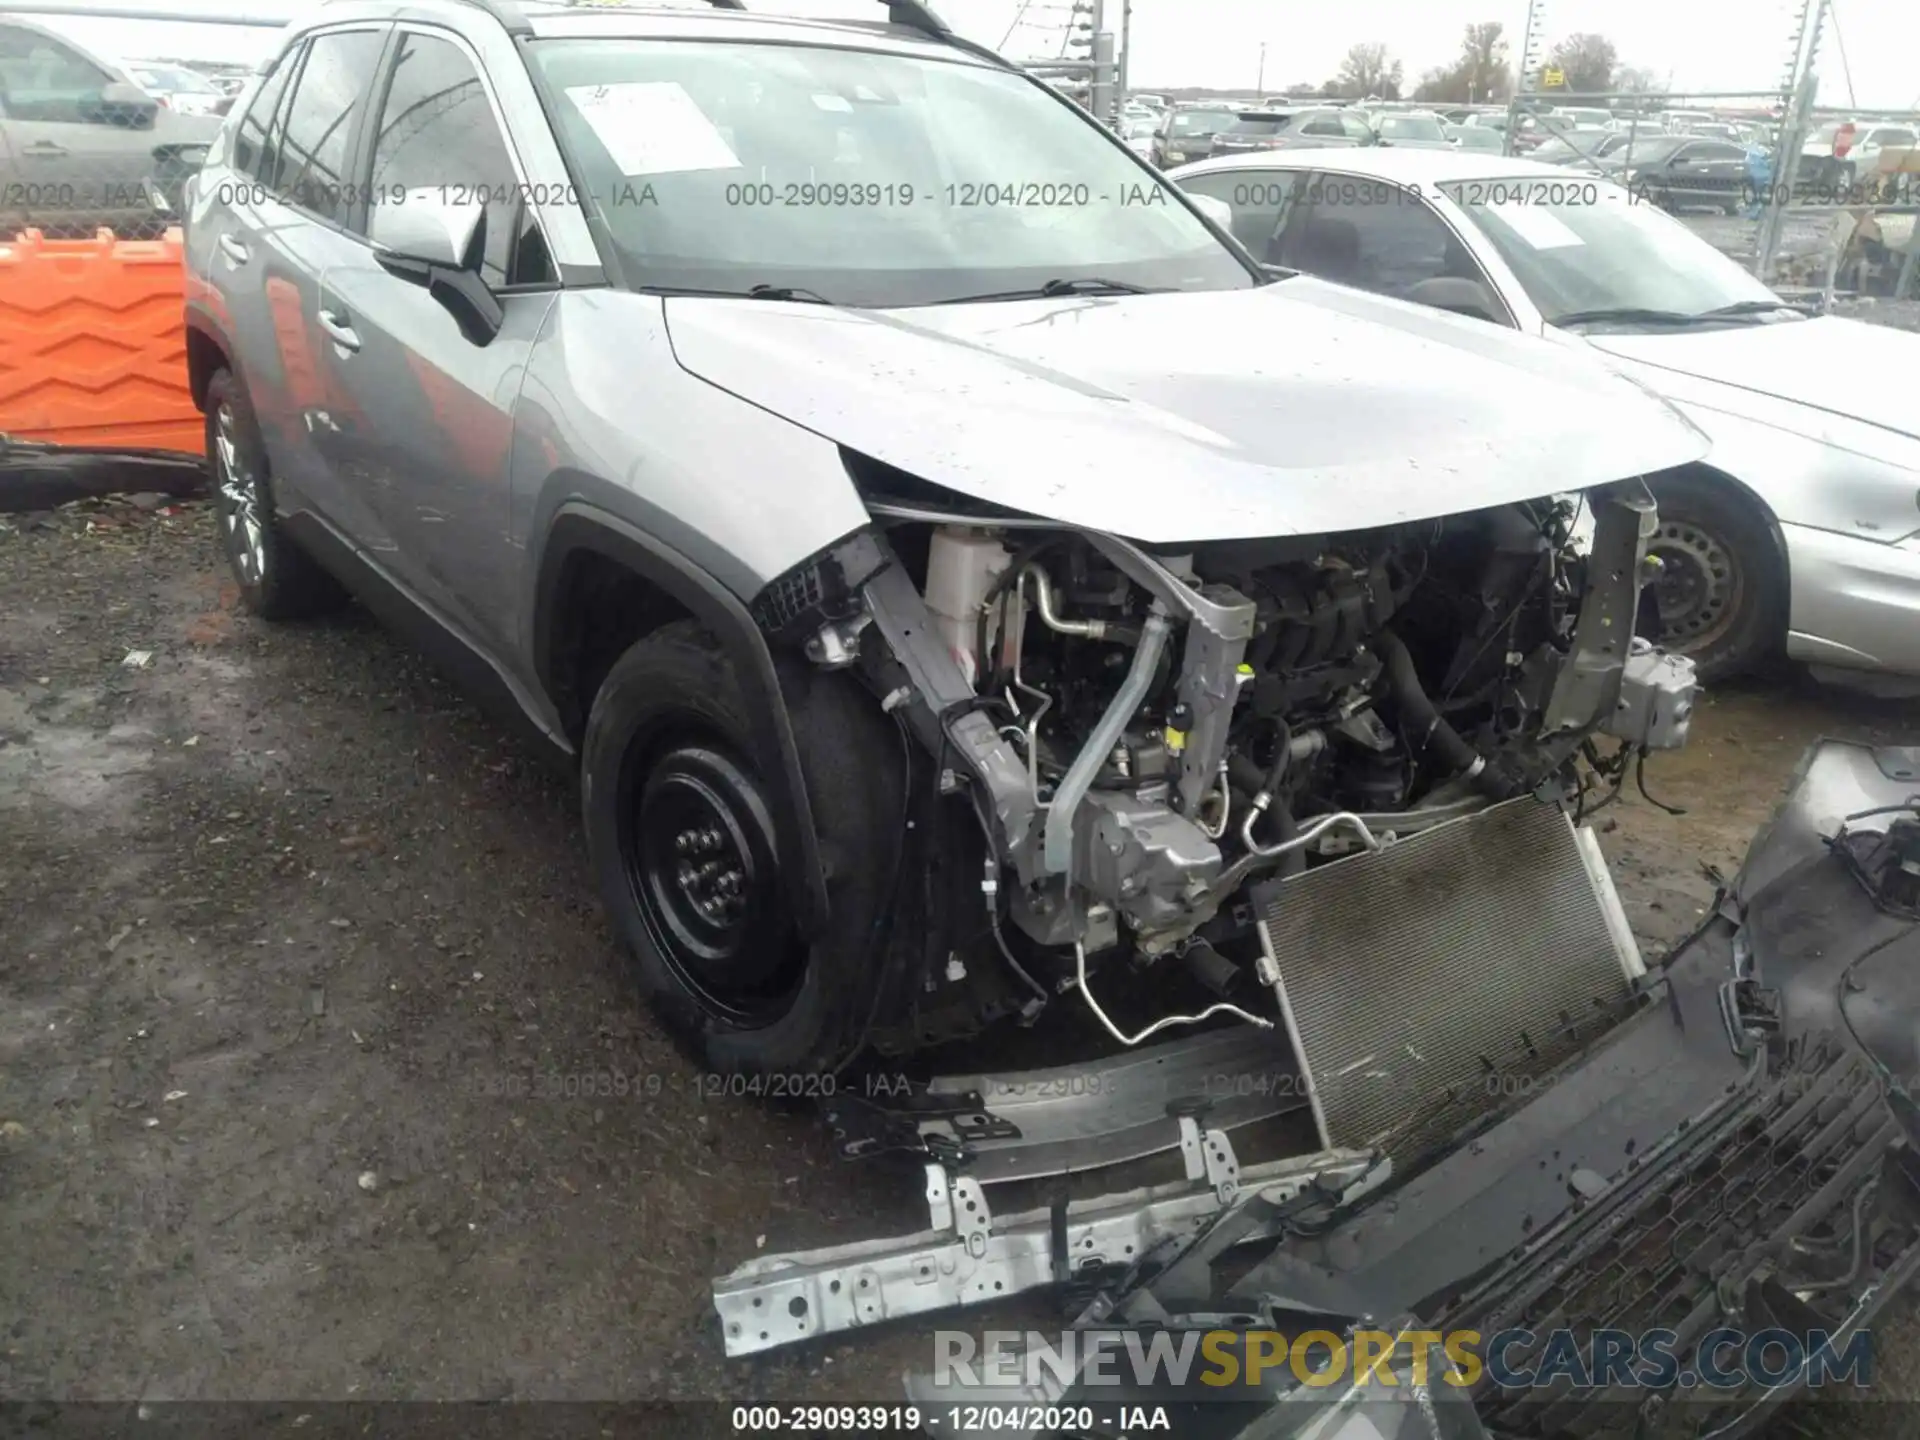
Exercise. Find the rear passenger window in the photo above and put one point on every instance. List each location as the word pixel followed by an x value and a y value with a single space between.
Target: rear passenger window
pixel 252 137
pixel 438 133
pixel 330 94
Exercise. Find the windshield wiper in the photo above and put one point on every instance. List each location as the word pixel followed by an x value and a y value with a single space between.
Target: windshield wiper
pixel 1053 289
pixel 1636 315
pixel 1624 314
pixel 787 292
pixel 1748 307
pixel 752 292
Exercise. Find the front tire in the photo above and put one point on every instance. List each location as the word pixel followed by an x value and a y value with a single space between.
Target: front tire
pixel 1722 589
pixel 277 579
pixel 679 826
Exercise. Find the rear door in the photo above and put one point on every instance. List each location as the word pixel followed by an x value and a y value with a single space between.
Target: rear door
pixel 437 408
pixel 291 226
pixel 222 279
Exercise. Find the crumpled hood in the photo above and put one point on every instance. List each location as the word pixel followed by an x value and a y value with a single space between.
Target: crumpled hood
pixel 1296 408
pixel 1843 367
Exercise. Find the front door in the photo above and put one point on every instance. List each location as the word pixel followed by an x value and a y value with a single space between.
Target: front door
pixel 436 407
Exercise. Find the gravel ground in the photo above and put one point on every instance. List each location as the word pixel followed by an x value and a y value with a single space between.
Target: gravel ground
pixel 281 911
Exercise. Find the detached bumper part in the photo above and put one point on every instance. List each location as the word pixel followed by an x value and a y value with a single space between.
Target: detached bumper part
pixel 967 1256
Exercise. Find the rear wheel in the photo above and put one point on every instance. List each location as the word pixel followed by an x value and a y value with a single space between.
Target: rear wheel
pixel 679 821
pixel 277 580
pixel 1721 587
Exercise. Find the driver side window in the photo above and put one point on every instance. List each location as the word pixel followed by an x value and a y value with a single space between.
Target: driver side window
pixel 45 80
pixel 1260 200
pixel 1376 236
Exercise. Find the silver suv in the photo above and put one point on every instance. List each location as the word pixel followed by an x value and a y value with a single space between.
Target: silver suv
pixel 956 570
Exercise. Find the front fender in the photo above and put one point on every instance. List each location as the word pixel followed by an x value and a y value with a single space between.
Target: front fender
pixel 579 526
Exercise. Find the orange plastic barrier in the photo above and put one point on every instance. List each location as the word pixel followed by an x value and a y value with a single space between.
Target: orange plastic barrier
pixel 92 349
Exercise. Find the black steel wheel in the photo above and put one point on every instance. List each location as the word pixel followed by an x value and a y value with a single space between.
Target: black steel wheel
pixel 698 844
pixel 680 815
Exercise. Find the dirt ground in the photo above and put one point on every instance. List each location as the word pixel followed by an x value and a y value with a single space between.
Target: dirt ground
pixel 280 911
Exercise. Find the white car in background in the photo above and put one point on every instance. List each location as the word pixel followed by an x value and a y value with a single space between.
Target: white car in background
pixel 1802 528
pixel 183 91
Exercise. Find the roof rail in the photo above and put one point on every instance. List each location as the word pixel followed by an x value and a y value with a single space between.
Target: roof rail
pixel 911 13
pixel 509 16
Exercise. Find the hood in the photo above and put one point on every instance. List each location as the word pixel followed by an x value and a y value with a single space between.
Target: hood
pixel 1842 367
pixel 1295 408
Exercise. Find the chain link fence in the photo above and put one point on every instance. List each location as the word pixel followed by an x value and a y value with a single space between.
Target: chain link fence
pixel 92 143
pixel 1820 204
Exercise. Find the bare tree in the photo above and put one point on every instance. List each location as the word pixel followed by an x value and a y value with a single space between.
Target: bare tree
pixel 1638 80
pixel 1483 56
pixel 1368 72
pixel 1480 73
pixel 1587 61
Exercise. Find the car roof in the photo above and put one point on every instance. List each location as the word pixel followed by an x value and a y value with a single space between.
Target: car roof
pixel 686 19
pixel 1407 167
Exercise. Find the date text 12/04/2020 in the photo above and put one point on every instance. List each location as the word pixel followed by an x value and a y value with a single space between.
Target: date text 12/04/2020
pixel 757 194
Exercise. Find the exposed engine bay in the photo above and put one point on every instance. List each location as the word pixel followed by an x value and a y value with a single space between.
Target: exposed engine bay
pixel 1142 734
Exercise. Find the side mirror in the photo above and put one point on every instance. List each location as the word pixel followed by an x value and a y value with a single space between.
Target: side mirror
pixel 430 242
pixel 1216 210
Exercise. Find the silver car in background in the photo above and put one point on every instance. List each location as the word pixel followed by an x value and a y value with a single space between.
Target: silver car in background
pixel 1802 530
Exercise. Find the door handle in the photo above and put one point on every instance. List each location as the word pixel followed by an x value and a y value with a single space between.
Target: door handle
pixel 337 327
pixel 234 250
pixel 44 150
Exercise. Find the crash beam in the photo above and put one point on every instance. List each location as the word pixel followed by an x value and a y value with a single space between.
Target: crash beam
pixel 968 1257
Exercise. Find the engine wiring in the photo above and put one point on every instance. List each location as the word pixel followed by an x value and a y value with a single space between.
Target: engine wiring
pixel 1221 1007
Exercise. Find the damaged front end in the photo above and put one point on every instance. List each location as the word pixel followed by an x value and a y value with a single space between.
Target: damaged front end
pixel 1143 735
pixel 1312 804
pixel 1672 1234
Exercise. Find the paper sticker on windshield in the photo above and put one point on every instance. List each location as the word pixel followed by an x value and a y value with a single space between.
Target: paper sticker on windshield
pixel 1542 229
pixel 834 102
pixel 652 128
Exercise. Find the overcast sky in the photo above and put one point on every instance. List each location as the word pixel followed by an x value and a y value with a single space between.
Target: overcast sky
pixel 1703 44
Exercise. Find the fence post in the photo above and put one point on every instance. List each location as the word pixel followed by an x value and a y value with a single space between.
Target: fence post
pixel 1795 126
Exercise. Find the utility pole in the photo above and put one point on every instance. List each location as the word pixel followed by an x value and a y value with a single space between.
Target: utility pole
pixel 1120 83
pixel 1100 98
pixel 1802 83
pixel 1532 44
pixel 1260 81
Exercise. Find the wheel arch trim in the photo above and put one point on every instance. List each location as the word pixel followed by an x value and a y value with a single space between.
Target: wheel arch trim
pixel 579 527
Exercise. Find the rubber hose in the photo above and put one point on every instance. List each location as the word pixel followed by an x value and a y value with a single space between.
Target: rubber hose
pixel 1294 862
pixel 1418 713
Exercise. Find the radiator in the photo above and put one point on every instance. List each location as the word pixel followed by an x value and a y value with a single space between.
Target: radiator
pixel 1445 975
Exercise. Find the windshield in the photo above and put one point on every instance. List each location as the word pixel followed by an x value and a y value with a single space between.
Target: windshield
pixel 1201 122
pixel 1587 245
pixel 1259 125
pixel 865 178
pixel 1410 127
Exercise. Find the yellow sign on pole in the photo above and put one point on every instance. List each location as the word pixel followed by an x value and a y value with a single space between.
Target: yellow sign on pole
pixel 1553 78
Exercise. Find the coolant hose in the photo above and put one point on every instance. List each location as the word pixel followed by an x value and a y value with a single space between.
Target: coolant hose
pixel 1094 754
pixel 1426 727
